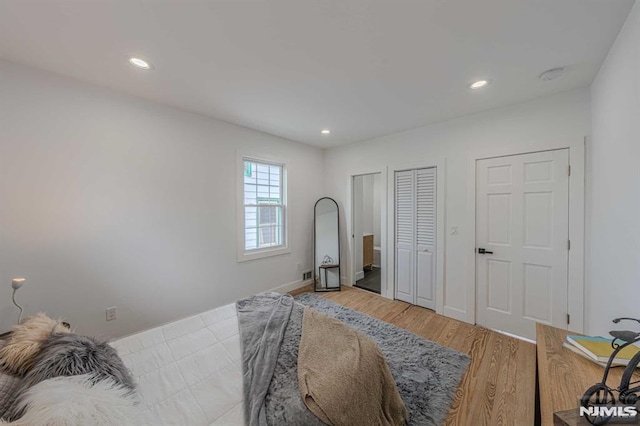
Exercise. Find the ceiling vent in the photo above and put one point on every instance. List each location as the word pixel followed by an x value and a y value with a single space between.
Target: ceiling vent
pixel 552 74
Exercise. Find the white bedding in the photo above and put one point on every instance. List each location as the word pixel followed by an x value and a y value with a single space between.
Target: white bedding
pixel 188 371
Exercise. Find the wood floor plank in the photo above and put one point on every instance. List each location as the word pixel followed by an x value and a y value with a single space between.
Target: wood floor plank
pixel 498 388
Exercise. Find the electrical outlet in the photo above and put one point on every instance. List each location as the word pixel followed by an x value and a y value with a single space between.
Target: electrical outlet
pixel 112 313
pixel 306 275
pixel 299 266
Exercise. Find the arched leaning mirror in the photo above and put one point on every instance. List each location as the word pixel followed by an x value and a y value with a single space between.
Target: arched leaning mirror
pixel 326 252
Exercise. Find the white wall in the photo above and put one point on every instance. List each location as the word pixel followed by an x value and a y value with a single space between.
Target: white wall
pixel 109 200
pixel 358 211
pixel 367 204
pixel 371 206
pixel 377 181
pixel 564 117
pixel 613 186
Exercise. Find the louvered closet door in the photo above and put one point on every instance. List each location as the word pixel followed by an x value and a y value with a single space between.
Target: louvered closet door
pixel 405 236
pixel 425 237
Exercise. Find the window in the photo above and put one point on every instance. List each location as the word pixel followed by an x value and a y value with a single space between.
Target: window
pixel 263 209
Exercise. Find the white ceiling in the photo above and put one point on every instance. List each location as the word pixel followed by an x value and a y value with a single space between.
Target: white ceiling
pixel 362 68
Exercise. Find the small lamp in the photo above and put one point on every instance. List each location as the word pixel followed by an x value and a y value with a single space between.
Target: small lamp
pixel 16 283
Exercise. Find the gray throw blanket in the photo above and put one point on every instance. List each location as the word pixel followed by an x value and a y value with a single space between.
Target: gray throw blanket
pixel 284 401
pixel 426 373
pixel 262 320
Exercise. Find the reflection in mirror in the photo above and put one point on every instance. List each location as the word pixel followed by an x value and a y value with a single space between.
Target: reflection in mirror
pixel 326 246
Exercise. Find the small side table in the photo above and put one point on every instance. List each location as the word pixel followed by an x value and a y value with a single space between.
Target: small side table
pixel 325 268
pixel 564 376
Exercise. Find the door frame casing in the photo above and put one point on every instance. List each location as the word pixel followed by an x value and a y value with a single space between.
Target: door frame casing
pixel 440 165
pixel 575 279
pixel 349 279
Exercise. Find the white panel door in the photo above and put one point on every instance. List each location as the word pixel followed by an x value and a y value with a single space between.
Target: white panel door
pixel 522 222
pixel 425 237
pixel 405 236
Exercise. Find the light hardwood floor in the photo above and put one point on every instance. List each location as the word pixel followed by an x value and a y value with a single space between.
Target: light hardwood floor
pixel 499 386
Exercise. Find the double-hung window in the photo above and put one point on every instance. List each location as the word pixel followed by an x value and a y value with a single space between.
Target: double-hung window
pixel 264 221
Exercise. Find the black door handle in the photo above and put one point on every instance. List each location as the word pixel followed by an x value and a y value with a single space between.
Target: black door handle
pixel 483 251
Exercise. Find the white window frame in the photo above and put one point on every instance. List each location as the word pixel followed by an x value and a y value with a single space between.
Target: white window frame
pixel 244 255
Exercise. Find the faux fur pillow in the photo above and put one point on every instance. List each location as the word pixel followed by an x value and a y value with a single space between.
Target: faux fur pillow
pixel 77 400
pixel 8 387
pixel 23 344
pixel 73 355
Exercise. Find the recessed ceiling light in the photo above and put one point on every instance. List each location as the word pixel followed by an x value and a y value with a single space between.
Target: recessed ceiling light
pixel 552 74
pixel 478 84
pixel 326 132
pixel 140 63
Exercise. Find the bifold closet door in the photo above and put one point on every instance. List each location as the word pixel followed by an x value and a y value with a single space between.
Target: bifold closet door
pixel 415 236
pixel 425 237
pixel 405 236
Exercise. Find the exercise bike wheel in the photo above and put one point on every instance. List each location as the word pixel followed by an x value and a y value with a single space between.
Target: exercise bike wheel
pixel 627 397
pixel 598 394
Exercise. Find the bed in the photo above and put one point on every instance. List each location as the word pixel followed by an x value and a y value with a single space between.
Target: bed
pixel 188 371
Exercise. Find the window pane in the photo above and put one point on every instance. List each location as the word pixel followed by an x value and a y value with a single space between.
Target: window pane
pixel 250 239
pixel 274 193
pixel 249 172
pixel 263 191
pixel 263 225
pixel 248 168
pixel 250 195
pixel 263 168
pixel 267 215
pixel 263 178
pixel 266 236
pixel 270 236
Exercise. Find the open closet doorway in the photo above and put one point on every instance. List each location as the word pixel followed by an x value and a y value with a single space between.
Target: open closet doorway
pixel 367 231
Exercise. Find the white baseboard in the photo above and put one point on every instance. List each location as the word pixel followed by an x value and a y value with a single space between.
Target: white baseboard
pixel 514 336
pixel 455 313
pixel 359 275
pixel 294 285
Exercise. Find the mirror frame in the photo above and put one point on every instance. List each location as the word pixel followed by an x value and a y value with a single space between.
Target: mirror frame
pixel 318 281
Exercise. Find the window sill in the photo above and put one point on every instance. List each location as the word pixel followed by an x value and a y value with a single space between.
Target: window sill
pixel 262 253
